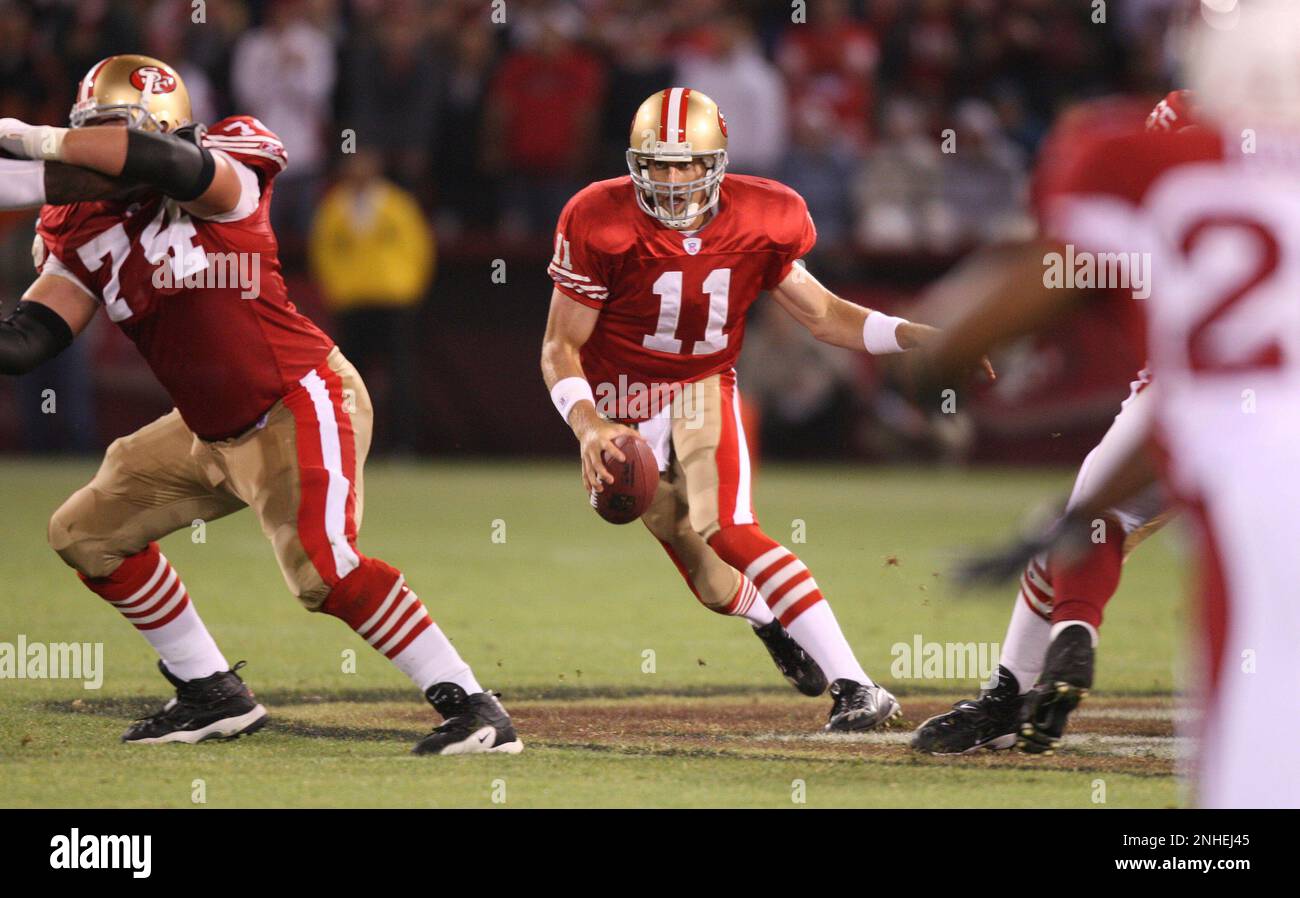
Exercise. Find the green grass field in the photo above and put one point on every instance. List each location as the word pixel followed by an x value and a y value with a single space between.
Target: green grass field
pixel 558 617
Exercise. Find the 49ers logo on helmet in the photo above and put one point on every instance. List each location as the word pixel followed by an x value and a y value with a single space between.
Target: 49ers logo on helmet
pixel 152 79
pixel 722 122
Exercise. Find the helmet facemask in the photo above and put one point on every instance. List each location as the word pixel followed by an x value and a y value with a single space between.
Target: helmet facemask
pixel 674 204
pixel 136 115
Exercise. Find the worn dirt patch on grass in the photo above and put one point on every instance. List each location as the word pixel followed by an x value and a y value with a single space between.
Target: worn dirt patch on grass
pixel 1108 734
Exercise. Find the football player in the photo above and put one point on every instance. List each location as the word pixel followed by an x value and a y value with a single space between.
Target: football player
pixel 653 275
pixel 1049 652
pixel 269 414
pixel 1218 209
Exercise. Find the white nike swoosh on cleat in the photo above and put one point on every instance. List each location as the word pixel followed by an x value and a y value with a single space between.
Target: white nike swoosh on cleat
pixel 221 729
pixel 476 743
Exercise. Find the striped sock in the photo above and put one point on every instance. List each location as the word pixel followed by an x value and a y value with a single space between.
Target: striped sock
pixel 745 603
pixel 375 601
pixel 1084 587
pixel 147 591
pixel 784 582
pixel 788 588
pixel 1025 646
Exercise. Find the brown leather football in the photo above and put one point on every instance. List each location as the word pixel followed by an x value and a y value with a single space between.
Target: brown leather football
pixel 635 482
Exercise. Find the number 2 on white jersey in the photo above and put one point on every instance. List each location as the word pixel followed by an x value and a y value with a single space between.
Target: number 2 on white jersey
pixel 669 290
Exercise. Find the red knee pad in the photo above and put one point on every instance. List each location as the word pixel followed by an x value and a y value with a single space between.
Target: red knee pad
pixel 1084 587
pixel 356 597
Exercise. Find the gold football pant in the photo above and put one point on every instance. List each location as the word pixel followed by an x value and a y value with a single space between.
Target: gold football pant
pixel 299 469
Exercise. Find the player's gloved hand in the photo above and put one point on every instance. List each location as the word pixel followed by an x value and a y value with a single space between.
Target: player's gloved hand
pixel 19 140
pixel 1067 538
pixel 596 439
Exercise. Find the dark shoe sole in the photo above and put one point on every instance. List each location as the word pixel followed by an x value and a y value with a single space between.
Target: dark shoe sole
pixel 473 745
pixel 1062 701
pixel 864 723
pixel 229 728
pixel 996 743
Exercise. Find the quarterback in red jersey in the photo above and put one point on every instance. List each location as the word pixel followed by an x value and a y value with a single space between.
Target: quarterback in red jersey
pixel 269 414
pixel 653 275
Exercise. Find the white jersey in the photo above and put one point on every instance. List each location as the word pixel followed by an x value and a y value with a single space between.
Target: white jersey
pixel 1217 235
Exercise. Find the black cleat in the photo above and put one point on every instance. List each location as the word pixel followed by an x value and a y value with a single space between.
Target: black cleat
pixel 1065 681
pixel 472 724
pixel 800 670
pixel 856 707
pixel 215 707
pixel 990 721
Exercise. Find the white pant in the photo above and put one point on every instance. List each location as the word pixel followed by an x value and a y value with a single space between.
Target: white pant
pixel 1130 427
pixel 1250 615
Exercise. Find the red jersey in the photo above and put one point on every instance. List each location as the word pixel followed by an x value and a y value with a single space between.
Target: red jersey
pixel 672 303
pixel 1079 128
pixel 202 299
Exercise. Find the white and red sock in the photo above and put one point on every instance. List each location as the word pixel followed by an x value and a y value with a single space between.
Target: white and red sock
pixel 788 588
pixel 375 601
pixel 749 604
pixel 819 633
pixel 1084 587
pixel 147 591
pixel 1030 630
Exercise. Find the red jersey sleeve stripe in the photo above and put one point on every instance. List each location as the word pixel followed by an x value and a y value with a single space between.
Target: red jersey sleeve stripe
pixel 588 301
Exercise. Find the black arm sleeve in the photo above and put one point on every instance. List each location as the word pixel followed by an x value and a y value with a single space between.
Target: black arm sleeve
pixel 32 334
pixel 72 184
pixel 177 167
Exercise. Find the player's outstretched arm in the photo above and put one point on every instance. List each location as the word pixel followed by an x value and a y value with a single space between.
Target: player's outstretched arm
pixel 31 183
pixel 50 315
pixel 568 326
pixel 204 182
pixel 22 184
pixel 70 184
pixel 996 297
pixel 842 323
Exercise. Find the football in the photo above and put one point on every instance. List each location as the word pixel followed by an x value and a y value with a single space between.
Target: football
pixel 635 482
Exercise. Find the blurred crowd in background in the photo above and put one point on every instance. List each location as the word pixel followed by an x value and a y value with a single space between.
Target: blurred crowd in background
pixel 474 121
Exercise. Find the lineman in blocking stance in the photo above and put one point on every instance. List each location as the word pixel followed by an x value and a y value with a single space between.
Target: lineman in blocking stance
pixel 269 414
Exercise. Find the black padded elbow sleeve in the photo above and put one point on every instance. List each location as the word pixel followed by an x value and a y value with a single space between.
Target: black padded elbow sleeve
pixel 178 168
pixel 31 335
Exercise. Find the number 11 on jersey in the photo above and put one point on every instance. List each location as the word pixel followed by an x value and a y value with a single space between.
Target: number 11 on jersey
pixel 669 290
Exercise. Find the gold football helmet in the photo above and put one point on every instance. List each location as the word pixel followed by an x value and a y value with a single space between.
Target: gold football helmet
pixel 144 91
pixel 677 125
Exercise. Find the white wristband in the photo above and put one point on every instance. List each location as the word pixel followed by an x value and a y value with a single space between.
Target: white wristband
pixel 45 142
pixel 568 393
pixel 32 141
pixel 880 333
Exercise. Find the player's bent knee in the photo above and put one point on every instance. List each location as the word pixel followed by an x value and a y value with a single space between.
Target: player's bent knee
pixel 661 522
pixel 705 526
pixel 71 537
pixel 360 594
